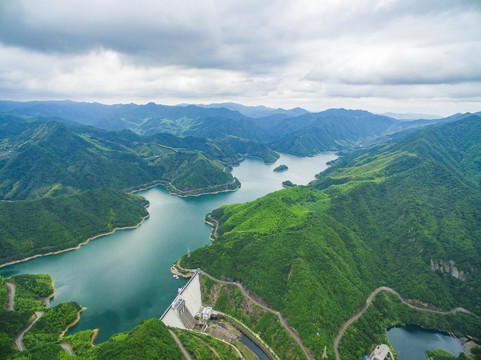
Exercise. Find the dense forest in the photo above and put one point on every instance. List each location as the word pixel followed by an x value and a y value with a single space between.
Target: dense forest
pixel 405 215
pixel 49 159
pixel 31 227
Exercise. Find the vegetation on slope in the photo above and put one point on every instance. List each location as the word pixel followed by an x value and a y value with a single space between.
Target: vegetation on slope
pixel 296 131
pixel 28 290
pixel 45 225
pixel 406 215
pixel 333 129
pixel 49 327
pixel 230 300
pixel 443 355
pixel 201 346
pixel 388 311
pixel 150 340
pixel 281 168
pixel 50 159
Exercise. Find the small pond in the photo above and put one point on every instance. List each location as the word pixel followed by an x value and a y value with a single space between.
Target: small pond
pixel 411 342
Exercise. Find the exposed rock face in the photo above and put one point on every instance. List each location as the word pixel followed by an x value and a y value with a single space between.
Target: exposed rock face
pixel 448 267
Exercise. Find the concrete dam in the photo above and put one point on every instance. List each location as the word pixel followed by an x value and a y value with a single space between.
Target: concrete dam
pixel 188 303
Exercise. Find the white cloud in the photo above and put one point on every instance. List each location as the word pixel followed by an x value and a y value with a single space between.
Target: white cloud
pixel 308 53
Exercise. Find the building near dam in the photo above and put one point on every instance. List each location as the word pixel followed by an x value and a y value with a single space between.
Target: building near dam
pixel 188 303
pixel 381 352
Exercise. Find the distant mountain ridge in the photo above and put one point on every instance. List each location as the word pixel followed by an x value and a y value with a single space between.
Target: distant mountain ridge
pixel 332 129
pixel 258 111
pixel 294 131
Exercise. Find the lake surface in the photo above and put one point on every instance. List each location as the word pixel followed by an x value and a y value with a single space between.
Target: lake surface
pixel 411 342
pixel 124 277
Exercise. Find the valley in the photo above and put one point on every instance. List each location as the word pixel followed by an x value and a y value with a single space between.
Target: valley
pixel 398 210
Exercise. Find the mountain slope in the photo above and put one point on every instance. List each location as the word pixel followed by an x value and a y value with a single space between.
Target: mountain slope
pixel 45 225
pixel 329 130
pixel 405 215
pixel 49 159
pixel 146 119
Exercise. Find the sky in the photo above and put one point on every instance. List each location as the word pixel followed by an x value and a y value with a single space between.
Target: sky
pixel 419 56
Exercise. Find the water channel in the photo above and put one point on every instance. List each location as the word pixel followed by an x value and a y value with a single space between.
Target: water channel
pixel 411 342
pixel 124 278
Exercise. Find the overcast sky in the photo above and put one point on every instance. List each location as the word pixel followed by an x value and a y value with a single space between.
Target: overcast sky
pixel 420 56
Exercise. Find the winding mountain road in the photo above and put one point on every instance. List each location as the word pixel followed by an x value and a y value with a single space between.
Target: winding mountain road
pixel 19 339
pixel 283 321
pixel 359 313
pixel 11 296
pixel 179 344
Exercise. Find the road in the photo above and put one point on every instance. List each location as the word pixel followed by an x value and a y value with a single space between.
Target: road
pixel 19 339
pixel 11 296
pixel 215 226
pixel 182 348
pixel 359 313
pixel 67 348
pixel 283 321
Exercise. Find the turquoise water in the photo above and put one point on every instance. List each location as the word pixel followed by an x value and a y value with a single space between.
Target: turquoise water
pixel 411 342
pixel 124 277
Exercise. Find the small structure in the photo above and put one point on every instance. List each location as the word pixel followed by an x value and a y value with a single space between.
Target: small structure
pixel 381 352
pixel 206 313
pixel 324 353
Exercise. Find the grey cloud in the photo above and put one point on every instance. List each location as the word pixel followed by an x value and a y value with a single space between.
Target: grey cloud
pixel 271 50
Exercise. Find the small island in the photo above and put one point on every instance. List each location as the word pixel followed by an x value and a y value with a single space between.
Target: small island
pixel 281 168
pixel 288 184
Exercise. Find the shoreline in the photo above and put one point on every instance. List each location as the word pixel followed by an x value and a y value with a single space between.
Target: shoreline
pixel 214 225
pixel 80 244
pixel 72 323
pixel 167 185
pixel 46 299
pixel 94 335
pixel 260 158
pixel 174 270
pixel 203 193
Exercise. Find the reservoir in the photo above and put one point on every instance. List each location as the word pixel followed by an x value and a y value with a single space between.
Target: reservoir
pixel 124 277
pixel 411 342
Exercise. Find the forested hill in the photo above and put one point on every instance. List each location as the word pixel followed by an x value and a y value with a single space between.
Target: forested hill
pixel 46 225
pixel 405 215
pixel 48 159
pixel 333 129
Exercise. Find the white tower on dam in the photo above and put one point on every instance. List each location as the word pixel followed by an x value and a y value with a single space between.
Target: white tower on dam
pixel 187 304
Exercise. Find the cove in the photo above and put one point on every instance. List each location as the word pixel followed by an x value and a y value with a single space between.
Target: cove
pixel 411 342
pixel 124 278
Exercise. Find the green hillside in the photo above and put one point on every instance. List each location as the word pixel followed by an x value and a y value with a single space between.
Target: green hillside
pixel 31 227
pixel 333 129
pixel 405 215
pixel 50 159
pixel 148 119
pixel 151 339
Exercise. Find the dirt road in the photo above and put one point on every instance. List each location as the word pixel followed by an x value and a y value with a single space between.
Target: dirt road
pixel 19 339
pixel 359 313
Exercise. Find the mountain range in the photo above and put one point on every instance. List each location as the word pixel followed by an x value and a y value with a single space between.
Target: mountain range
pixel 295 131
pixel 400 208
